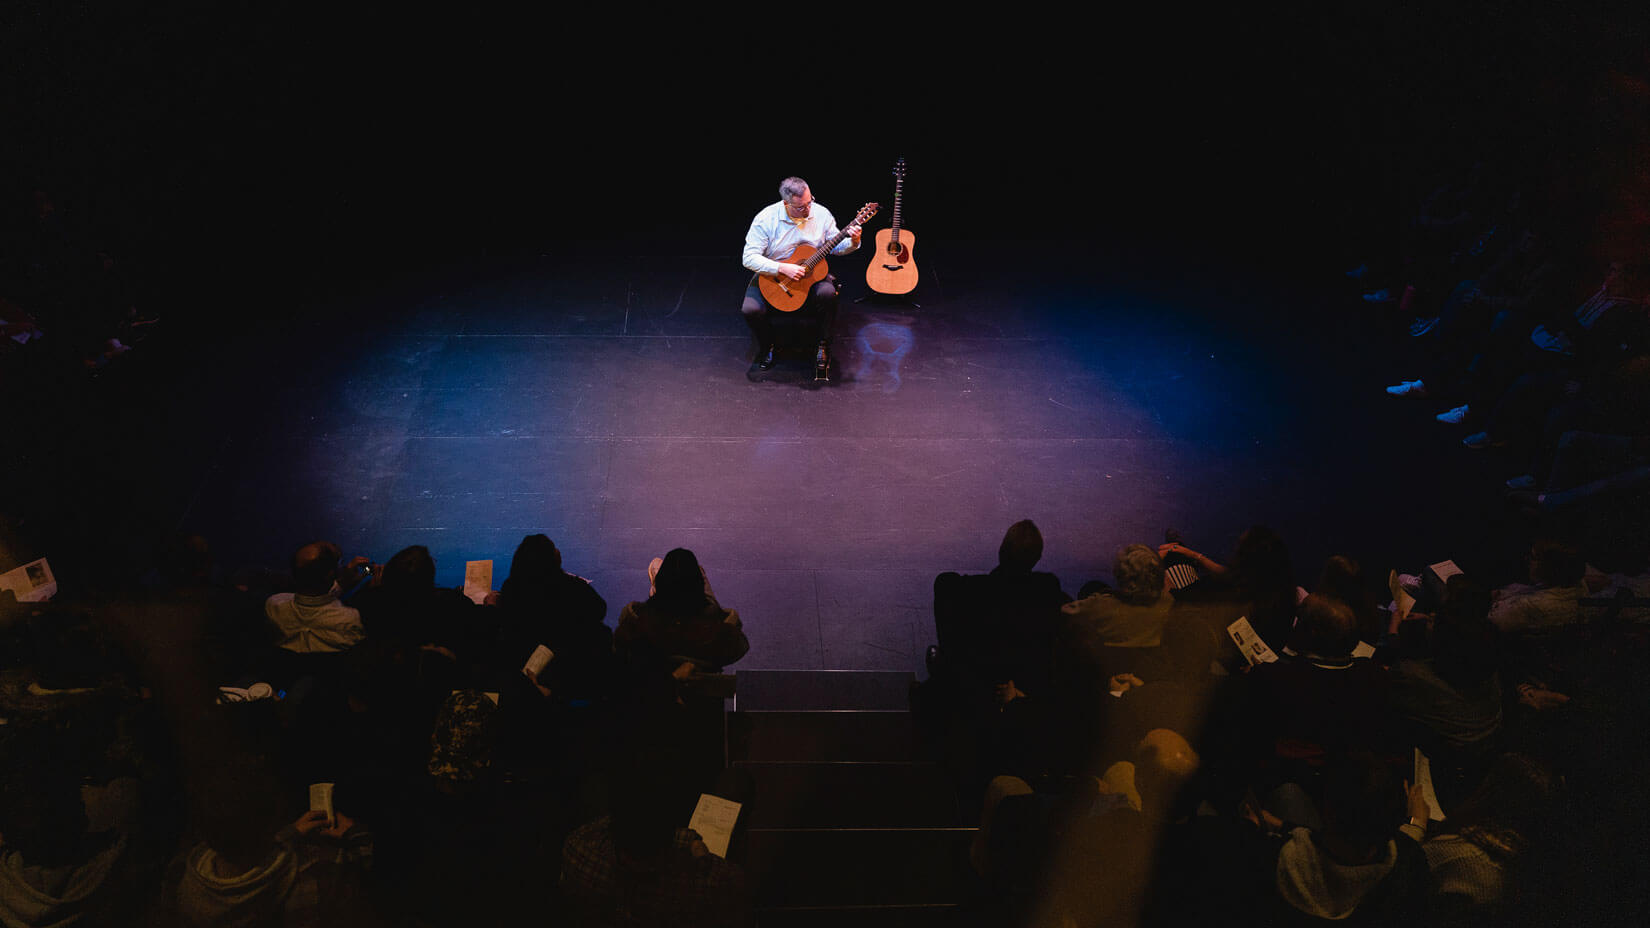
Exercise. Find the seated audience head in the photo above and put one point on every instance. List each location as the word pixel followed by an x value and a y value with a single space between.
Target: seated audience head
pixel 1164 764
pixel 1342 579
pixel 1139 575
pixel 1324 627
pixel 645 802
pixel 186 560
pixel 1512 805
pixel 536 556
pixel 411 570
pixel 1022 547
pixel 679 586
pixel 1261 561
pixel 1462 634
pixel 1555 563
pixel 461 745
pixel 240 808
pixel 315 567
pixel 42 817
pixel 1363 805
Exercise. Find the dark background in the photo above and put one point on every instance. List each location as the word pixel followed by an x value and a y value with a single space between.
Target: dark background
pixel 240 144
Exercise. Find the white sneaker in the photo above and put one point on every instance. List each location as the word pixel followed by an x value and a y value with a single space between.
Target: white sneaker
pixel 1408 388
pixel 1453 417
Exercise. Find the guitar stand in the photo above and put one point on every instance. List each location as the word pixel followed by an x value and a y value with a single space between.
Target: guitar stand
pixel 897 296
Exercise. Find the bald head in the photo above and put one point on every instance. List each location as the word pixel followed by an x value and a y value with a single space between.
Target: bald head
pixel 314 567
pixel 1164 762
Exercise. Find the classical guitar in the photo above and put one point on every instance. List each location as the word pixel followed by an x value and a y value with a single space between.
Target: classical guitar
pixel 788 295
pixel 892 269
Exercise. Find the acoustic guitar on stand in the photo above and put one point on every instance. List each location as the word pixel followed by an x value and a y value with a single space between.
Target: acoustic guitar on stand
pixel 787 295
pixel 891 268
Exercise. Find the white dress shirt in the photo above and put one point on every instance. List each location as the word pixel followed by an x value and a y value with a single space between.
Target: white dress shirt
pixel 774 235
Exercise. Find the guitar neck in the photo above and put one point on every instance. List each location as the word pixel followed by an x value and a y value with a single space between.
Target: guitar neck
pixel 866 212
pixel 899 192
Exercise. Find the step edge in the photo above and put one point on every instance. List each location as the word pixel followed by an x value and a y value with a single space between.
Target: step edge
pixel 865 829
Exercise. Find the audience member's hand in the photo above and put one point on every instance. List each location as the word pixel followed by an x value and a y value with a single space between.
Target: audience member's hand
pixel 1123 682
pixel 1005 693
pixel 1175 547
pixel 491 599
pixel 684 670
pixel 311 821
pixel 361 566
pixel 1401 619
pixel 1252 811
pixel 314 822
pixel 1538 697
pixel 543 690
pixel 1416 798
pixel 441 650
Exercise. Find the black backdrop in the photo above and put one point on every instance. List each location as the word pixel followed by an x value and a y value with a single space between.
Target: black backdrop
pixel 231 142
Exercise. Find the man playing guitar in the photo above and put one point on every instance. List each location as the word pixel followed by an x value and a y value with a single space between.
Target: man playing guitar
pixel 770 245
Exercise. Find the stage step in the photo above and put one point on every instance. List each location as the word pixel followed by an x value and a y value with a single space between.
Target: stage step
pixel 823 736
pixel 850 795
pixel 824 690
pixel 836 867
pixel 852 822
pixel 864 916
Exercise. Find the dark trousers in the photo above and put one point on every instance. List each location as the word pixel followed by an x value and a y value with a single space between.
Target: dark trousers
pixel 822 300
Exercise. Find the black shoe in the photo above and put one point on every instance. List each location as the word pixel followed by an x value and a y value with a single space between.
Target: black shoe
pixel 766 360
pixel 822 360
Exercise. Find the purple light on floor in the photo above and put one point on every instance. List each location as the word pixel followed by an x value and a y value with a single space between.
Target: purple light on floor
pixel 883 344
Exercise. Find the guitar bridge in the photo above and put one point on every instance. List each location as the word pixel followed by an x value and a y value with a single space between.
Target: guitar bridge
pixel 893 267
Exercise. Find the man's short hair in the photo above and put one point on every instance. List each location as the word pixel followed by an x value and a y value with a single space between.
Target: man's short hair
pixel 1022 546
pixel 792 187
pixel 1325 627
pixel 1139 575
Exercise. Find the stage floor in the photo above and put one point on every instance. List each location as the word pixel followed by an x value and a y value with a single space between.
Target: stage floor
pixel 606 403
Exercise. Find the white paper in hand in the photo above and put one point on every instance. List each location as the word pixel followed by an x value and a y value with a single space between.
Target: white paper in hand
pixel 1423 777
pixel 320 800
pixel 537 661
pixel 1249 642
pixel 714 818
pixel 31 583
pixel 1401 599
pixel 478 580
